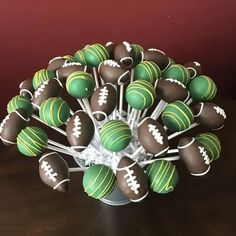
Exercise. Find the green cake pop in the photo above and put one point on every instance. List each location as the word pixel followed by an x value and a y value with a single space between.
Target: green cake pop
pixel 140 94
pixel 162 176
pixel 177 72
pixel 137 52
pixel 20 101
pixel 212 144
pixel 54 111
pixel 98 181
pixel 80 57
pixel 115 135
pixel 32 141
pixel 202 88
pixel 177 116
pixel 80 84
pixel 95 54
pixel 41 76
pixel 147 70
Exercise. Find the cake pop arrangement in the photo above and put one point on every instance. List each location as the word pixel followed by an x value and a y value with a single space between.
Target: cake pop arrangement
pixel 131 102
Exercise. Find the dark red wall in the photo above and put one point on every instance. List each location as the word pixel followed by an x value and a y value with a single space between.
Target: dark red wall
pixel 32 32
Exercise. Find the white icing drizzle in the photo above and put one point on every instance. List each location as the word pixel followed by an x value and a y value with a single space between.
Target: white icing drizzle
pixel 196 63
pixel 155 133
pixel 176 81
pixel 220 111
pixel 66 64
pixel 77 127
pixel 55 58
pixel 21 84
pixel 4 121
pixel 131 180
pixel 41 88
pixel 111 63
pixel 156 50
pixel 127 46
pixel 49 171
pixel 109 43
pixel 204 155
pixel 103 96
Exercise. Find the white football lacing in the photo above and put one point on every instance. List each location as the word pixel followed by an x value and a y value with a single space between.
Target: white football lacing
pixel 40 88
pixel 175 81
pixel 204 155
pixel 155 133
pixel 220 111
pixel 131 181
pixel 77 127
pixel 66 64
pixel 4 121
pixel 111 63
pixel 127 46
pixel 103 96
pixel 49 171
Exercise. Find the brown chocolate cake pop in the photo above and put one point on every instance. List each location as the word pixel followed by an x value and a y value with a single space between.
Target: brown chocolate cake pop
pixel 171 90
pixel 103 101
pixel 26 88
pixel 12 125
pixel 80 130
pixel 194 155
pixel 194 68
pixel 110 46
pixel 56 63
pixel 152 136
pixel 210 115
pixel 156 56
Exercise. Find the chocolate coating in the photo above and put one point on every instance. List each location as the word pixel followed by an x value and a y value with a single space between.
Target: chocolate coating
pixel 12 125
pixel 194 156
pixel 124 54
pixel 26 88
pixel 131 179
pixel 49 88
pixel 156 56
pixel 210 115
pixel 110 46
pixel 54 171
pixel 113 72
pixel 80 130
pixel 103 101
pixel 152 136
pixel 56 63
pixel 194 68
pixel 171 90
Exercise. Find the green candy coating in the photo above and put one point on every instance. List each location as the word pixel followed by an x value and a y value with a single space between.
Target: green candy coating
pixel 162 176
pixel 80 84
pixel 177 72
pixel 20 101
pixel 80 57
pixel 177 116
pixel 54 111
pixel 147 70
pixel 95 54
pixel 41 76
pixel 32 141
pixel 140 94
pixel 98 181
pixel 69 58
pixel 202 88
pixel 137 52
pixel 115 135
pixel 212 144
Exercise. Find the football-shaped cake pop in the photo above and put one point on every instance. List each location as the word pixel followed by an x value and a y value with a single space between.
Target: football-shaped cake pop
pixel 147 70
pixel 55 63
pixel 162 176
pixel 110 46
pixel 124 54
pixel 54 111
pixel 98 181
pixel 113 72
pixel 131 179
pixel 152 136
pixel 32 141
pixel 26 88
pixel 177 72
pixel 177 116
pixel 194 155
pixel 80 130
pixel 103 101
pixel 12 125
pixel 41 76
pixel 212 143
pixel 170 90
pixel 140 94
pixel 194 68
pixel 202 89
pixel 20 101
pixel 68 68
pixel 80 84
pixel 210 115
pixel 54 171
pixel 115 135
pixel 157 56
pixel 49 88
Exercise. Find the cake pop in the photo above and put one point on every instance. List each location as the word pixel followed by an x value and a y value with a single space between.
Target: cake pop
pixel 26 88
pixel 40 76
pixel 194 68
pixel 55 63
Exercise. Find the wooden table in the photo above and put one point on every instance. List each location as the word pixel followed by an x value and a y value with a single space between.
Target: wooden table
pixel 199 205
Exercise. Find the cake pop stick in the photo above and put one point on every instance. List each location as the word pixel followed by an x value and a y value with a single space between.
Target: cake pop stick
pixel 77 169
pixel 159 108
pixel 131 80
pixel 121 100
pixel 95 76
pixel 147 162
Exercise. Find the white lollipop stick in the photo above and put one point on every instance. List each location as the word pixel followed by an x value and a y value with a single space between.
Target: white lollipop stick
pixel 170 151
pixel 138 116
pixel 59 145
pixel 181 132
pixel 159 108
pixel 56 149
pixel 189 101
pixel 102 81
pixel 130 116
pixel 140 149
pixel 52 127
pixel 95 76
pixel 77 169
pixel 71 112
pixel 131 80
pixel 121 100
pixel 174 158
pixel 81 104
pixel 134 118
